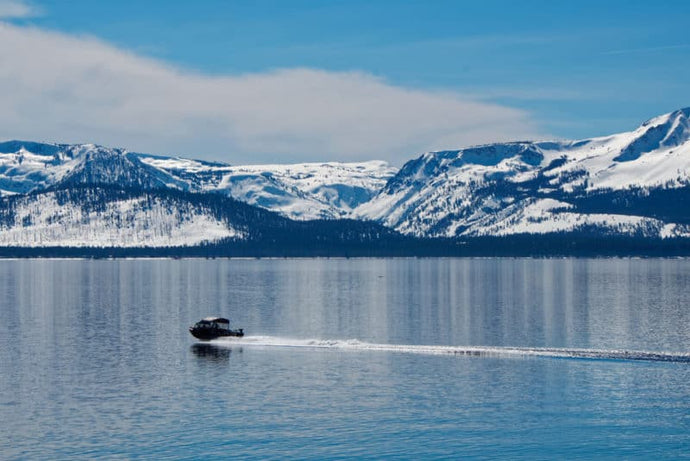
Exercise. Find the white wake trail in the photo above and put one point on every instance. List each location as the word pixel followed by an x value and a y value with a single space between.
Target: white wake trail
pixel 476 351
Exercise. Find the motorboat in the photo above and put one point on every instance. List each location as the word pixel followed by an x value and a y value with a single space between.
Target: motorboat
pixel 212 328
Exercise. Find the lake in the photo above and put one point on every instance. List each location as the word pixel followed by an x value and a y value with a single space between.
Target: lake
pixel 346 358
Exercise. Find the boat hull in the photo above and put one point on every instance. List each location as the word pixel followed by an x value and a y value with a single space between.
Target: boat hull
pixel 207 334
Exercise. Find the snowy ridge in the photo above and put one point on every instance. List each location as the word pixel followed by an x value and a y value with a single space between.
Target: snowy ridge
pixel 473 351
pixel 538 187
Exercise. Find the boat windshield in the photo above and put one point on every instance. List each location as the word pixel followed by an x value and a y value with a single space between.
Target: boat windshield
pixel 212 324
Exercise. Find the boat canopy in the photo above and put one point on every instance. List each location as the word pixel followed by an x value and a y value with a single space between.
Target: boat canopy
pixel 216 320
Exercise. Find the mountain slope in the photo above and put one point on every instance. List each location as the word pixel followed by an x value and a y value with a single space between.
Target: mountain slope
pixel 611 185
pixel 48 220
pixel 106 217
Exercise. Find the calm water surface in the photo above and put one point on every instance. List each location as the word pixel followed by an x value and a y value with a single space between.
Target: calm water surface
pixel 96 360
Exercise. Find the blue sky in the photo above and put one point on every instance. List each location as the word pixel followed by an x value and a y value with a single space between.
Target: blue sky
pixel 567 69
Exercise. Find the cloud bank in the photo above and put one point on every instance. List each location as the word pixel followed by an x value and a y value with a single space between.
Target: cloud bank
pixel 62 88
pixel 16 9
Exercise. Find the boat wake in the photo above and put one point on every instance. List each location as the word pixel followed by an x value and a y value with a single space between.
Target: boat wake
pixel 473 351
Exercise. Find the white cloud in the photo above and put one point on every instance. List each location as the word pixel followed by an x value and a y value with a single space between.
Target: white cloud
pixel 63 88
pixel 16 9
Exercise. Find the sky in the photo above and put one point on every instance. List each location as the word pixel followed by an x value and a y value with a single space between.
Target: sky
pixel 291 81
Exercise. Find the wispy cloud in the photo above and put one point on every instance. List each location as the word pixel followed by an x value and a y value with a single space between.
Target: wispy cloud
pixel 17 9
pixel 58 87
pixel 648 49
pixel 524 93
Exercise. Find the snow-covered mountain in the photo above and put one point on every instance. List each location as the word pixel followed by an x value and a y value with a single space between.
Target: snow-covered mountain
pixel 43 202
pixel 634 183
pixel 300 191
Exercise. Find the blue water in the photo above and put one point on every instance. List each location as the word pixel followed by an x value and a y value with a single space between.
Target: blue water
pixel 394 358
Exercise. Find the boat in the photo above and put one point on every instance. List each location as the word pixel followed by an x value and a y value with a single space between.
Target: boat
pixel 212 328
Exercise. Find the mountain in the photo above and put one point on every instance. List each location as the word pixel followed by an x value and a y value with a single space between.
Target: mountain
pixel 301 191
pixel 627 193
pixel 635 183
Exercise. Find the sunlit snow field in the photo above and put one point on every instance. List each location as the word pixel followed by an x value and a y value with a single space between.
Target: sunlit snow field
pixel 367 358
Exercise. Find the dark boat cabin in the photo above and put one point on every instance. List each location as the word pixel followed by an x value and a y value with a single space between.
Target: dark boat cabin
pixel 212 328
